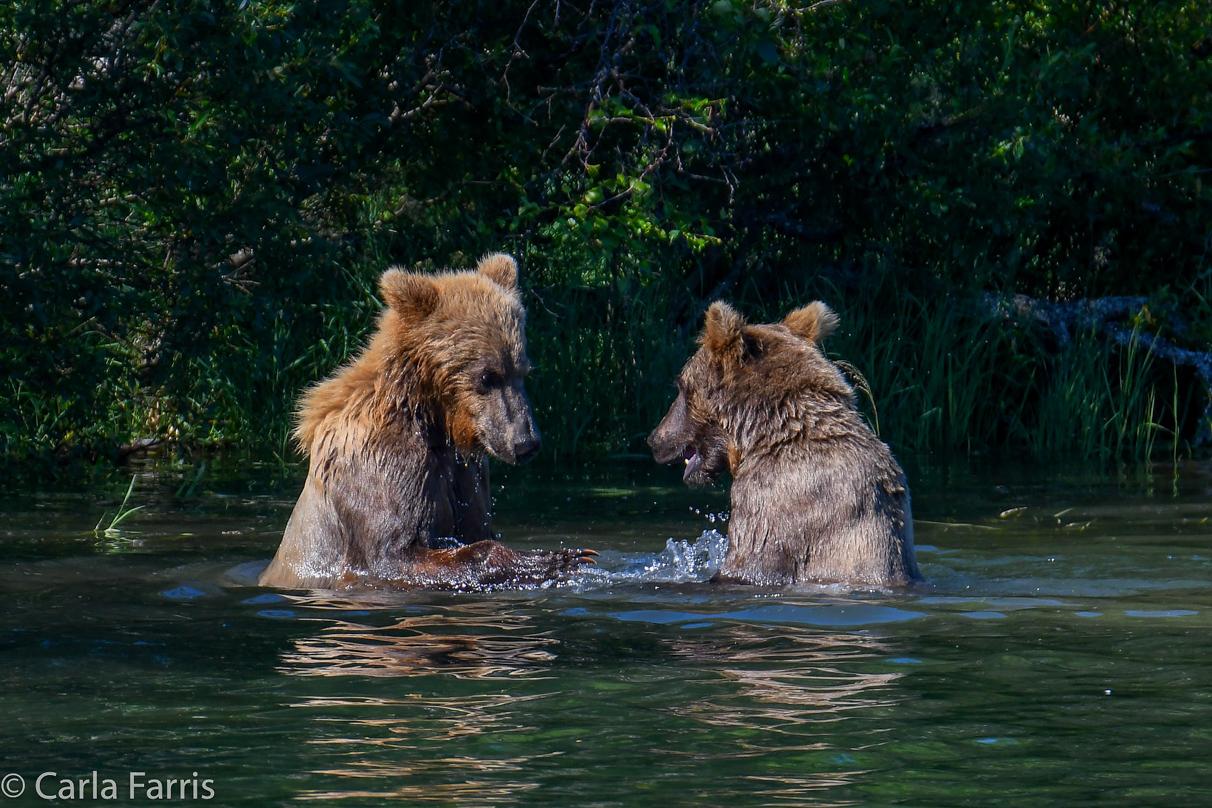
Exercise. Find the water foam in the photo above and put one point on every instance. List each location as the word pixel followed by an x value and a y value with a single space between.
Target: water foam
pixel 680 562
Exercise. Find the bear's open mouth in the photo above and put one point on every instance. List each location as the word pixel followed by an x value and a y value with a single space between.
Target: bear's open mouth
pixel 694 461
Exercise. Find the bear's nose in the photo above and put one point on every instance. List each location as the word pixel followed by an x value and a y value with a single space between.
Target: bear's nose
pixel 526 450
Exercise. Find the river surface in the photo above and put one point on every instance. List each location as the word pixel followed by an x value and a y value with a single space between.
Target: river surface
pixel 1061 655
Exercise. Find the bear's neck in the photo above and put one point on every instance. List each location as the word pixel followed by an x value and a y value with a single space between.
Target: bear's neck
pixel 418 411
pixel 792 432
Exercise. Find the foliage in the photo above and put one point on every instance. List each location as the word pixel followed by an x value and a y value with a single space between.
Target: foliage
pixel 196 198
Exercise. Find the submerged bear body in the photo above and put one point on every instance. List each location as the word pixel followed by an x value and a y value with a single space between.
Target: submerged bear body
pixel 397 487
pixel 816 496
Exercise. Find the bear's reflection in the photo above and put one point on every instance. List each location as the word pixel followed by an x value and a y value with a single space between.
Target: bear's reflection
pixel 789 676
pixel 792 690
pixel 479 641
pixel 367 748
pixel 367 732
pixel 497 703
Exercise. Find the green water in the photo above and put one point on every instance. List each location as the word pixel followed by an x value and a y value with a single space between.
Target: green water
pixel 1061 656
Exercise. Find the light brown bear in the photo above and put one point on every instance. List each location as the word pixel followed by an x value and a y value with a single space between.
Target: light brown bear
pixel 816 496
pixel 398 442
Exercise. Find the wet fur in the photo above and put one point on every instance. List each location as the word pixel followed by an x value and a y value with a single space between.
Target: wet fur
pixel 816 496
pixel 398 443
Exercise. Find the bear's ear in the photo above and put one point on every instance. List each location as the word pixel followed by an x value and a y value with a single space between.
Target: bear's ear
pixel 813 322
pixel 500 268
pixel 723 336
pixel 412 296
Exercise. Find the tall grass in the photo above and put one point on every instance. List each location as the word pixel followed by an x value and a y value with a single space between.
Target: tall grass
pixel 948 377
pixel 605 364
pixel 938 373
pixel 1104 401
pixel 944 375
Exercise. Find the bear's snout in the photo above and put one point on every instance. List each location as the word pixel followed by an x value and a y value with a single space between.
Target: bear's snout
pixel 673 434
pixel 665 451
pixel 527 449
pixel 505 425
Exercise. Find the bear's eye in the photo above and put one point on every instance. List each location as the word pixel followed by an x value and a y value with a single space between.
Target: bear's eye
pixel 489 380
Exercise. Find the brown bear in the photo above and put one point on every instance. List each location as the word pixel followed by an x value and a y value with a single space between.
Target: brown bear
pixel 397 488
pixel 816 496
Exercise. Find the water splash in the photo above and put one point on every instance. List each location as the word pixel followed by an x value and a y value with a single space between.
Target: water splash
pixel 680 562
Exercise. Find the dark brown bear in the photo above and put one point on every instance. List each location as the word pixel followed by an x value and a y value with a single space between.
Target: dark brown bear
pixel 816 497
pixel 398 442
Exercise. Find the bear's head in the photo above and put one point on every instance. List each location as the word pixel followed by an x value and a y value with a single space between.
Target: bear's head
pixel 463 336
pixel 746 388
